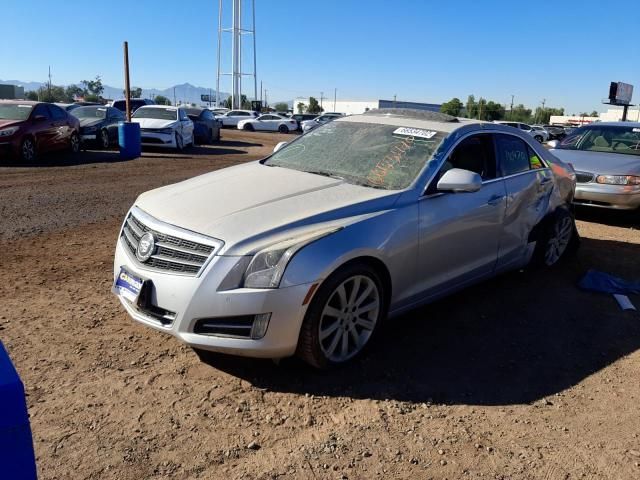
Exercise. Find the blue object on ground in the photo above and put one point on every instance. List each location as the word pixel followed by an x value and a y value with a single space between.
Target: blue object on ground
pixel 129 140
pixel 596 281
pixel 17 460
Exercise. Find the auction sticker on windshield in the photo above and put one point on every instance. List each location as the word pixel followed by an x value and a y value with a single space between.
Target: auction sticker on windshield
pixel 415 132
pixel 127 285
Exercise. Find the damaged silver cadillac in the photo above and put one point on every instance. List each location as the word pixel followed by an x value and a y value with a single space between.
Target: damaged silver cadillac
pixel 307 251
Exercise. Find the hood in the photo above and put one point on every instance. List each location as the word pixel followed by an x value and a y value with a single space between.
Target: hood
pixel 153 122
pixel 90 122
pixel 247 205
pixel 10 123
pixel 600 162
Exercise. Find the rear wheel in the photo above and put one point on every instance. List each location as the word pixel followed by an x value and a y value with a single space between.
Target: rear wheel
pixel 104 139
pixel 248 127
pixel 28 150
pixel 558 236
pixel 343 316
pixel 283 129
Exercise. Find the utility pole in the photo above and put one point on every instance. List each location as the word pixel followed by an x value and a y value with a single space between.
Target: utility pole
pixel 174 96
pixel 335 94
pixel 261 92
pixel 479 108
pixel 49 86
pixel 544 100
pixel 321 97
pixel 511 109
pixel 266 102
pixel 127 88
pixel 394 100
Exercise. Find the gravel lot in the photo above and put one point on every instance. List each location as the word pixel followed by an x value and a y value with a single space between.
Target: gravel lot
pixel 521 377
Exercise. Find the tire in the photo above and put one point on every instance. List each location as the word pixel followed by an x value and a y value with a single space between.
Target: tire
pixel 105 143
pixel 283 129
pixel 538 138
pixel 557 236
pixel 179 144
pixel 331 317
pixel 248 127
pixel 74 143
pixel 28 152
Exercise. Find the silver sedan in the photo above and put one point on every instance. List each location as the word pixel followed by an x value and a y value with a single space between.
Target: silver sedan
pixel 606 157
pixel 307 251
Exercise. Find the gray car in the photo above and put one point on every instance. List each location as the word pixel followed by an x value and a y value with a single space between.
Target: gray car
pixel 606 157
pixel 368 216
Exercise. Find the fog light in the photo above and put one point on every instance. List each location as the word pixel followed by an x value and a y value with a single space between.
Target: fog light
pixel 260 325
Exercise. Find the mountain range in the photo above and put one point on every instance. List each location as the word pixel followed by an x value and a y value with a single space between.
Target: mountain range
pixel 185 92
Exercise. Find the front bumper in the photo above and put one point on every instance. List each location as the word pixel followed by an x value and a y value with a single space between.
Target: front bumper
pixel 9 147
pixel 618 197
pixel 192 298
pixel 155 139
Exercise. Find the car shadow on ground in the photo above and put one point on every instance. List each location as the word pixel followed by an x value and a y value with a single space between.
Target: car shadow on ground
pixel 63 159
pixel 512 340
pixel 190 152
pixel 616 218
pixel 234 143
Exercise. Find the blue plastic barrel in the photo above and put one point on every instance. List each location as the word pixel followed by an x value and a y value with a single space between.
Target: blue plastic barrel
pixel 17 460
pixel 129 140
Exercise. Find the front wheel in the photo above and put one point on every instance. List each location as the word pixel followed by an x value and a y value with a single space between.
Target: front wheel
pixel 104 139
pixel 28 150
pixel 74 143
pixel 179 142
pixel 248 127
pixel 342 317
pixel 283 129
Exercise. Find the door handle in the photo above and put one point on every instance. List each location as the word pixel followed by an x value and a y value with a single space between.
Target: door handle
pixel 495 200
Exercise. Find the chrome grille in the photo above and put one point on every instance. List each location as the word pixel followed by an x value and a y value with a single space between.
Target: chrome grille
pixel 172 253
pixel 584 177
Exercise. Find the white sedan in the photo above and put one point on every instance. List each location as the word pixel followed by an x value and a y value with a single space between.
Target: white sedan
pixel 162 126
pixel 269 122
pixel 232 117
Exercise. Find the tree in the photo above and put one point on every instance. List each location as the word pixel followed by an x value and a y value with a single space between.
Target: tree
pixel 543 115
pixel 136 92
pixel 520 114
pixel 162 100
pixel 452 107
pixel 31 95
pixel 594 114
pixel 281 107
pixel 73 91
pixel 472 107
pixel 244 103
pixel 52 93
pixel 314 106
pixel 300 107
pixel 93 87
pixel 492 111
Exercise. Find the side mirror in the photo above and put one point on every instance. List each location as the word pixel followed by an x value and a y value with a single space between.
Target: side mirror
pixel 553 143
pixel 459 180
pixel 39 118
pixel 279 146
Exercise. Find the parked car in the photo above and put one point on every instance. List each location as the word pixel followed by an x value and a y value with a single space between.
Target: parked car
pixel 135 104
pixel 206 128
pixel 99 125
pixel 307 251
pixel 556 132
pixel 309 125
pixel 28 129
pixel 269 122
pixel 606 157
pixel 283 114
pixel 232 117
pixel 162 126
pixel 301 117
pixel 539 135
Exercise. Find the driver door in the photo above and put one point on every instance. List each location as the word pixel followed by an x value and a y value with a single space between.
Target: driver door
pixel 460 231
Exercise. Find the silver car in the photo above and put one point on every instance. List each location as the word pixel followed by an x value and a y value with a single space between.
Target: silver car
pixel 606 157
pixel 307 251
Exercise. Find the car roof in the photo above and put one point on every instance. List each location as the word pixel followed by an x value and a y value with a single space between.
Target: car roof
pixel 160 106
pixel 20 102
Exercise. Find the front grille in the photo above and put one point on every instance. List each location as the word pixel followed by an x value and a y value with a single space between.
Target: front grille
pixel 584 177
pixel 172 253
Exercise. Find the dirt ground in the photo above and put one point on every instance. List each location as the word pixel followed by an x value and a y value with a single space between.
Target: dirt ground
pixel 522 377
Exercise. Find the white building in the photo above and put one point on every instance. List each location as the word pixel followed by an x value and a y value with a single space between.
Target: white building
pixel 611 115
pixel 354 107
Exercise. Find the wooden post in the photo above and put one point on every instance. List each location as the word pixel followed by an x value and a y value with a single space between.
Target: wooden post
pixel 127 90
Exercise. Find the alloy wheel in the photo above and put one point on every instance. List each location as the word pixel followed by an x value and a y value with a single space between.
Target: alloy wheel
pixel 28 150
pixel 104 139
pixel 559 240
pixel 349 318
pixel 74 143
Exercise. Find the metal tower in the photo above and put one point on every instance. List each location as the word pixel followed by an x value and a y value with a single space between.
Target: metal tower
pixel 237 33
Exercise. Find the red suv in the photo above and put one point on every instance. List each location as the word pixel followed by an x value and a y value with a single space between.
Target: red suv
pixel 30 128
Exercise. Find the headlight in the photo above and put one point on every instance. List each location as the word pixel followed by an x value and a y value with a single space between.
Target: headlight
pixel 618 179
pixel 6 132
pixel 268 265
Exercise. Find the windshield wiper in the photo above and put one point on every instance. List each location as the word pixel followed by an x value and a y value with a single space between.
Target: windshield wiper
pixel 325 174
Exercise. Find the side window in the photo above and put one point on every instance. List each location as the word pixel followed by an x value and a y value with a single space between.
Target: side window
pixel 57 113
pixel 232 113
pixel 476 154
pixel 513 154
pixel 41 110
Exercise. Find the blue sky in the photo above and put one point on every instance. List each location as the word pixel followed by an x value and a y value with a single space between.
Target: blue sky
pixel 566 51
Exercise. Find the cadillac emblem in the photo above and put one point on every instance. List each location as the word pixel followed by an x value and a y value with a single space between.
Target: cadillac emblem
pixel 146 247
